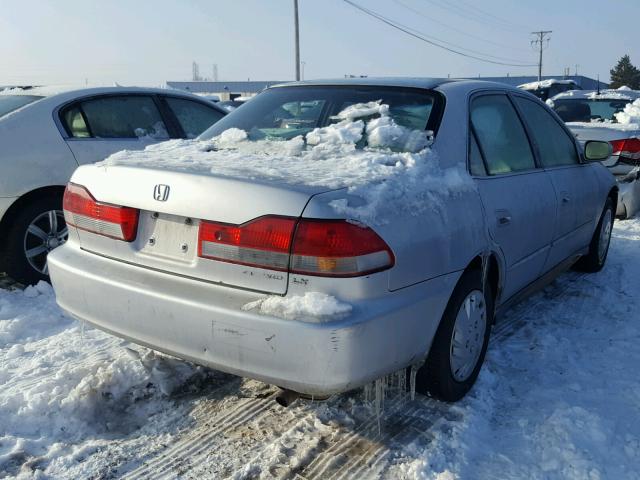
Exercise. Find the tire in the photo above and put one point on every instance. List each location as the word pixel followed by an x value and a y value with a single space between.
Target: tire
pixel 595 259
pixel 39 240
pixel 441 376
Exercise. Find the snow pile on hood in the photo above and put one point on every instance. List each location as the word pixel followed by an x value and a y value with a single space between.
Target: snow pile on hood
pixel 396 162
pixel 630 115
pixel 310 307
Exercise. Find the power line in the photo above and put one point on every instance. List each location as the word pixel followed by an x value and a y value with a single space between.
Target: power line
pixel 490 15
pixel 422 37
pixel 461 12
pixel 449 27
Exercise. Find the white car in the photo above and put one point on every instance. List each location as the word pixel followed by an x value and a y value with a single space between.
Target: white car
pixel 44 138
pixel 612 116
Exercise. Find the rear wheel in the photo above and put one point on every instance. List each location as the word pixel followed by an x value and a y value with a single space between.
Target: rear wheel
pixel 38 228
pixel 595 259
pixel 460 344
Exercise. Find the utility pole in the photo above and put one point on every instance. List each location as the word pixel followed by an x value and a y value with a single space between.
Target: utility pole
pixel 295 15
pixel 539 40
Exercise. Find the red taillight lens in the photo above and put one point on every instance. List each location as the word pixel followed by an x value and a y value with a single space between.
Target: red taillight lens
pixel 82 211
pixel 318 247
pixel 628 148
pixel 263 242
pixel 338 248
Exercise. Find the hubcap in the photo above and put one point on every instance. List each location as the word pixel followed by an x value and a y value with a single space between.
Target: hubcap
pixel 605 234
pixel 468 336
pixel 46 232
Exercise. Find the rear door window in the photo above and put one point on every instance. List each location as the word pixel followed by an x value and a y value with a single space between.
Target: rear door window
pixel 476 164
pixel 119 116
pixel 75 124
pixel 193 117
pixel 554 144
pixel 501 135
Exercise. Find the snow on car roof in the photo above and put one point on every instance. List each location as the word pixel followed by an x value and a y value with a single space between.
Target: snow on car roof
pixel 545 84
pixel 606 94
pixel 75 90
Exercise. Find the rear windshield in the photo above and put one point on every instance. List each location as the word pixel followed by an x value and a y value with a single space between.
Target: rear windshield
pixel 587 110
pixel 9 103
pixel 286 112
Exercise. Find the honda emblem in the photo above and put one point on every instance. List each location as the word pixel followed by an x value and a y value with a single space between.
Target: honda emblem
pixel 161 192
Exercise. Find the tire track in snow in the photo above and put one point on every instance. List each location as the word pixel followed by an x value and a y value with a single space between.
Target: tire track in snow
pixel 203 438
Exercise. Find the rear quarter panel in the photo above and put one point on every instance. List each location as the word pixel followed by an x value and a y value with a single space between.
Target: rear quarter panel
pixel 32 152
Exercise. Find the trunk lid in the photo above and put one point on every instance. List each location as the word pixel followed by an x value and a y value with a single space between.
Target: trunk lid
pixel 172 204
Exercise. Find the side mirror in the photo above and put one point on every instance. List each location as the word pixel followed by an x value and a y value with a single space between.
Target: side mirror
pixel 596 151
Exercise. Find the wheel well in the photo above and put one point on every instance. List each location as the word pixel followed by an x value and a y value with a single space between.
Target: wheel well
pixel 7 219
pixel 492 274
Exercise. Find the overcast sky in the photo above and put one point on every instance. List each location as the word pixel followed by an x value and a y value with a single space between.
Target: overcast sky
pixel 151 41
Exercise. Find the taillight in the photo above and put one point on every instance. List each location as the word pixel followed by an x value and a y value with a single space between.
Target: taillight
pixel 334 248
pixel 626 148
pixel 263 242
pixel 338 248
pixel 82 211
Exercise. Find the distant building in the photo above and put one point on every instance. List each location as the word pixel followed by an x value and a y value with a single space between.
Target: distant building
pixel 224 90
pixel 585 82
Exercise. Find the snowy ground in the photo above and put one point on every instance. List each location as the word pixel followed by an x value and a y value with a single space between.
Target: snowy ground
pixel 559 397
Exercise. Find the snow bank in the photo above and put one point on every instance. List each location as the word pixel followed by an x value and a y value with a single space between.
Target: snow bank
pixel 63 384
pixel 310 307
pixel 396 168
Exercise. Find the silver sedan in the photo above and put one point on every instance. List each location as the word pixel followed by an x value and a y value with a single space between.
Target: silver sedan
pixel 330 233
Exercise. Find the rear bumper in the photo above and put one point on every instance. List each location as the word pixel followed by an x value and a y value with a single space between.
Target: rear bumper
pixel 205 323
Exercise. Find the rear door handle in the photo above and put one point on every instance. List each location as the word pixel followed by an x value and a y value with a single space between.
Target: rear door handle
pixel 503 217
pixel 565 197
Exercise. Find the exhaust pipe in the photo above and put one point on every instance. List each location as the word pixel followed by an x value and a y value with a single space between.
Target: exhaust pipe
pixel 286 397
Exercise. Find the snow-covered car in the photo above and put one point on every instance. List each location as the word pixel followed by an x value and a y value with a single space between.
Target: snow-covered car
pixel 545 89
pixel 329 233
pixel 45 134
pixel 612 116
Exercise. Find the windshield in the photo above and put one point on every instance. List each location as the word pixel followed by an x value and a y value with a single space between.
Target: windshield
pixel 588 110
pixel 9 103
pixel 283 113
